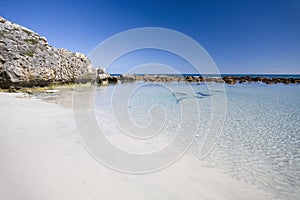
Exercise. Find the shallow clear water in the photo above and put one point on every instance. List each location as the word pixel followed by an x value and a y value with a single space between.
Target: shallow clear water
pixel 258 144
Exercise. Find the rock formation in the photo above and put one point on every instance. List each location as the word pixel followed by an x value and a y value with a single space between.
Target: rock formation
pixel 225 79
pixel 104 78
pixel 26 59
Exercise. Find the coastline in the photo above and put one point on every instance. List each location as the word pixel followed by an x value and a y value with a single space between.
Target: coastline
pixel 62 88
pixel 113 79
pixel 238 134
pixel 56 166
pixel 229 79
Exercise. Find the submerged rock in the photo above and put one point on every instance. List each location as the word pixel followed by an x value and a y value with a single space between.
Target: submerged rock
pixel 26 59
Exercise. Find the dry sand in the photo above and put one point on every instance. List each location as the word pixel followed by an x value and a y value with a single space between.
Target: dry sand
pixel 41 157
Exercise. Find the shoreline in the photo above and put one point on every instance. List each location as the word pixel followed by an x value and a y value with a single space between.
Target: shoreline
pixel 112 79
pixel 56 166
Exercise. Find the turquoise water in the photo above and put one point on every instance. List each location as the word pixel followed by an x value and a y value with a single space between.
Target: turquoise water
pixel 259 142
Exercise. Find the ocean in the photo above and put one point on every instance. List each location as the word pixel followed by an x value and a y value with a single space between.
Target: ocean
pixel 249 131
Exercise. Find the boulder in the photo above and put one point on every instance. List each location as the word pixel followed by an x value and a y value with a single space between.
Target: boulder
pixel 112 79
pixel 102 78
pixel 190 79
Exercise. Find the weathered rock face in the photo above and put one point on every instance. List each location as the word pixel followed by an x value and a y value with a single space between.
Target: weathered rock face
pixel 26 59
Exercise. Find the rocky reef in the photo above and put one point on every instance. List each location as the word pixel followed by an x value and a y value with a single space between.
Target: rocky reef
pixel 27 60
pixel 225 79
pixel 245 79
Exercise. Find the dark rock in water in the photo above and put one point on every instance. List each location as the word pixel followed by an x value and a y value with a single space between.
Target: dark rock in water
pixel 292 80
pixel 26 59
pixel 190 78
pixel 242 81
pixel 112 79
pixel 269 81
pixel 247 78
pixel 229 80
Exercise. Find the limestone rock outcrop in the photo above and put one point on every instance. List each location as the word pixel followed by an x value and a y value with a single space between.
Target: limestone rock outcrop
pixel 26 60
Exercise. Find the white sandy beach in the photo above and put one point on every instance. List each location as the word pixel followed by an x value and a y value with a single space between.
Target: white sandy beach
pixel 41 157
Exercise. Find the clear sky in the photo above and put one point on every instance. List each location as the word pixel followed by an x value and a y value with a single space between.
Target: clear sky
pixel 242 36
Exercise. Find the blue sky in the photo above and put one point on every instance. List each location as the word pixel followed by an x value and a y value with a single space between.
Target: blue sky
pixel 241 36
